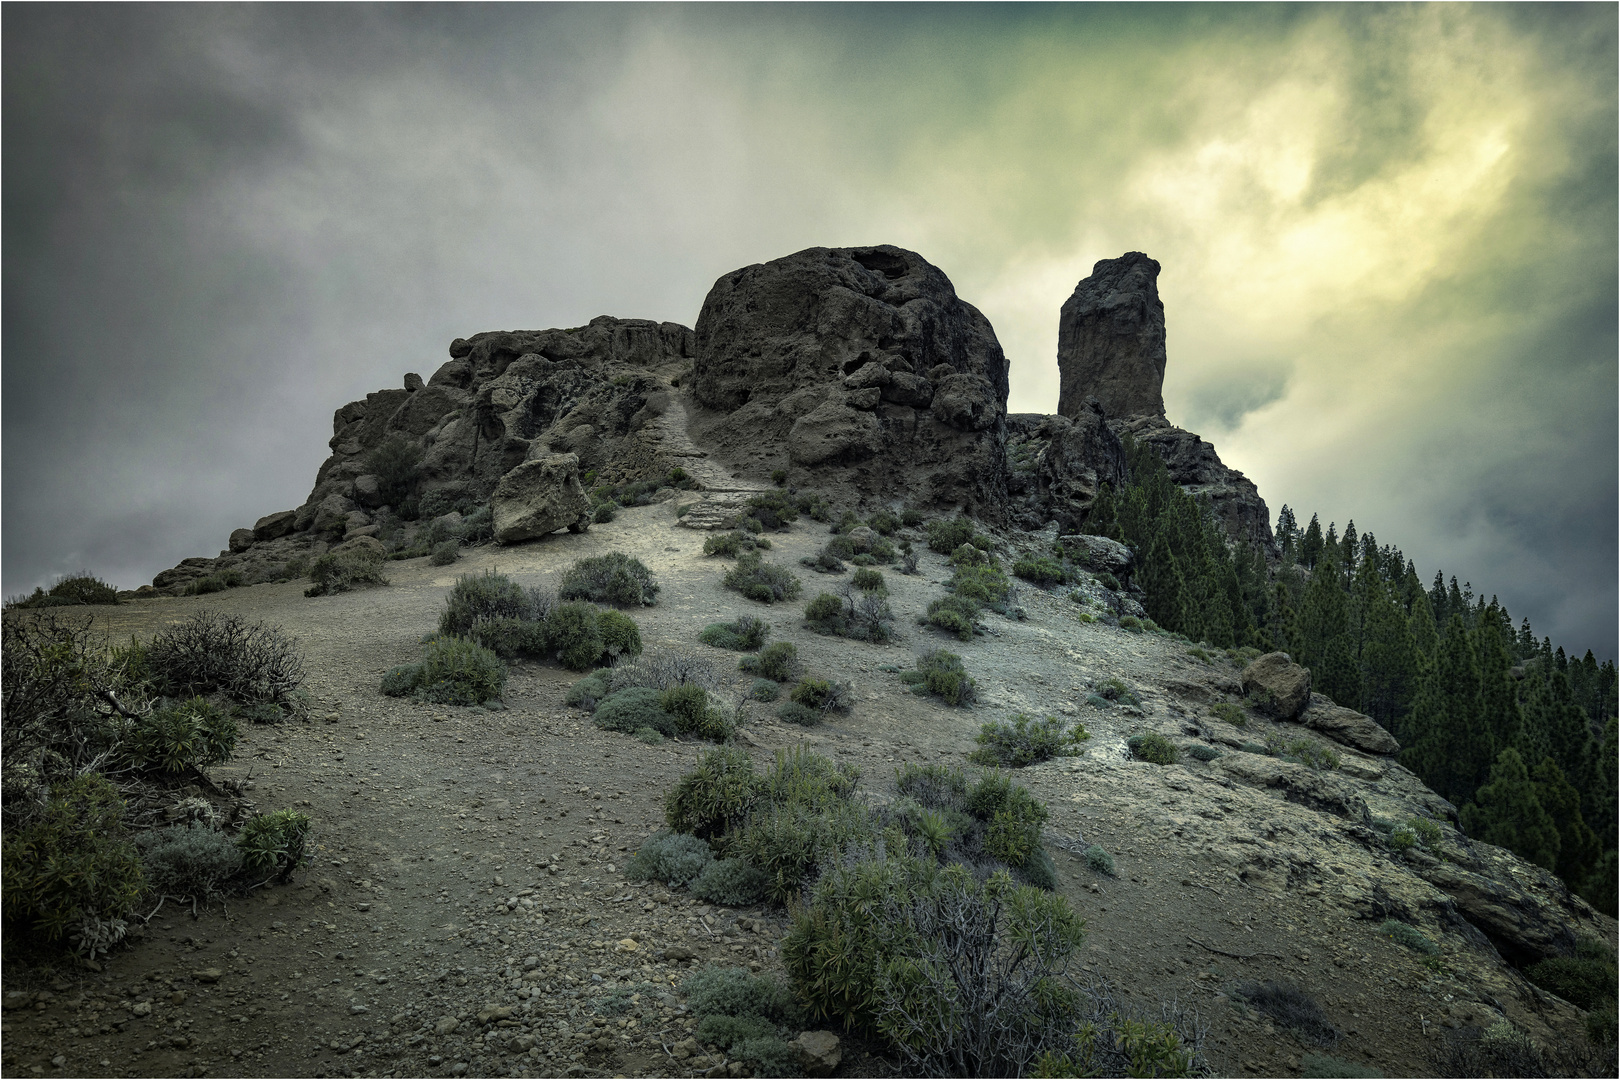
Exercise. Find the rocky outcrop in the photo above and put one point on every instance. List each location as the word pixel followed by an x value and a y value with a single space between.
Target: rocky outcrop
pixel 860 372
pixel 1279 687
pixel 539 497
pixel 1111 340
pixel 1347 726
pixel 1058 464
pixel 1197 469
pixel 1099 553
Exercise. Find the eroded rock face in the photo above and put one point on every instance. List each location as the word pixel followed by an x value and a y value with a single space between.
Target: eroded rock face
pixel 1111 340
pixel 1197 469
pixel 859 370
pixel 1282 688
pixel 1058 464
pixel 539 497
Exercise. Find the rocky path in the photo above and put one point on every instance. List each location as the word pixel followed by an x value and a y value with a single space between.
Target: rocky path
pixel 467 913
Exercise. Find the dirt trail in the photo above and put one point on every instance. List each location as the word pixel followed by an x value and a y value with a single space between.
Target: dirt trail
pixel 466 912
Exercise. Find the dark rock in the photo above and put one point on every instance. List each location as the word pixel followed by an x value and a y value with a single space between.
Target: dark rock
pixel 860 365
pixel 1058 465
pixel 1111 340
pixel 368 491
pixel 1100 553
pixel 1527 913
pixel 241 539
pixel 1347 726
pixel 413 381
pixel 1197 469
pixel 275 526
pixel 1280 687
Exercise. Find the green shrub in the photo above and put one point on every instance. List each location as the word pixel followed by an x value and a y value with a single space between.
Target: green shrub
pixel 778 662
pixel 1427 832
pixel 1097 701
pixel 75 589
pixel 824 562
pixel 586 692
pixel 574 632
pixel 1116 691
pixel 340 571
pixel 1099 860
pixel 945 676
pixel 604 512
pixel 650 736
pixel 688 704
pixel 211 653
pixel 734 543
pixel 456 671
pixel 794 712
pixel 1253 748
pixel 1200 752
pixel 487 596
pixel 1026 741
pixel 1326 1065
pixel 509 638
pixel 715 795
pixel 983 584
pixel 1131 623
pixel 945 537
pixel 70 872
pixel 633 708
pixel 731 882
pixel 1042 570
pixel 216 582
pixel 1585 982
pixel 862 616
pixel 884 523
pixel 749 1017
pixel 1312 753
pixel 1410 936
pixel 779 477
pixel 761 581
pixel 445 553
pixel 743 634
pixel 190 860
pixel 824 610
pixel 1014 818
pixel 955 615
pixel 771 509
pixel 674 858
pixel 614 578
pixel 1154 748
pixel 1232 714
pixel 396 463
pixel 764 690
pixel 275 844
pixel 867 580
pixel 1401 839
pixel 620 634
pixel 401 681
pixel 187 735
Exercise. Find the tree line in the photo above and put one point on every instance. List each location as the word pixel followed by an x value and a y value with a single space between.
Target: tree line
pixel 1516 734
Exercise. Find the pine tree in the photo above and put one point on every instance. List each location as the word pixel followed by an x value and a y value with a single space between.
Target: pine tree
pixel 1280 627
pixel 1556 727
pixel 1287 535
pixel 1321 634
pixel 1310 548
pixel 1498 697
pixel 1350 547
pixel 1162 579
pixel 1506 812
pixel 1578 848
pixel 1388 664
pixel 1445 743
pixel 1421 623
pixel 1103 517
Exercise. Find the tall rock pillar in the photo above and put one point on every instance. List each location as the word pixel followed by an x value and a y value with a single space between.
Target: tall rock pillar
pixel 1111 340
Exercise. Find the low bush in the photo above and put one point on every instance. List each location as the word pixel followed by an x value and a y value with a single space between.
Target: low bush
pixel 944 675
pixel 587 692
pixel 1312 753
pixel 1585 980
pixel 211 653
pixel 489 596
pixel 604 512
pixel 743 634
pixel 945 536
pixel 1253 748
pixel 1153 747
pixel 749 1017
pixel 1099 860
pixel 868 580
pixel 275 844
pixel 1401 839
pixel 217 582
pixel 1043 570
pixel 620 634
pixel 478 526
pixel 574 633
pixel 731 882
pixel 340 571
pixel 778 662
pixel 445 553
pixel 714 796
pixel 1291 1008
pixel 814 506
pixel 186 735
pixel 955 615
pixel 1427 832
pixel 190 861
pixel 1116 691
pixel 401 680
pixel 614 578
pixel 633 708
pixel 665 667
pixel 795 712
pixel 861 616
pixel 1232 714
pixel 764 690
pixel 455 671
pixel 1200 752
pixel 762 581
pixel 1026 741
pixel 1410 936
pixel 1326 1065
pixel 73 590
pixel 770 509
pixel 1097 701
pixel 1131 623
pixel 673 858
pixel 70 874
pixel 822 695
pixel 732 544
pixel 509 638
pixel 824 562
pixel 779 477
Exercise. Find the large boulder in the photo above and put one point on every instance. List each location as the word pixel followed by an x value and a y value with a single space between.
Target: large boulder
pixel 241 539
pixel 539 497
pixel 1280 687
pixel 275 526
pixel 862 372
pixel 1348 726
pixel 1111 340
pixel 819 1052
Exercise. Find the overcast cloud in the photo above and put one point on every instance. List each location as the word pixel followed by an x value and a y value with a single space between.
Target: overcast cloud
pixel 1388 236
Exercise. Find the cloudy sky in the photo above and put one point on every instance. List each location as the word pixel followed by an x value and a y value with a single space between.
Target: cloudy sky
pixel 1388 236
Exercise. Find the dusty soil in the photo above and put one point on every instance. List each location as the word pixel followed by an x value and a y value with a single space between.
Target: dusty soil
pixel 470 860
